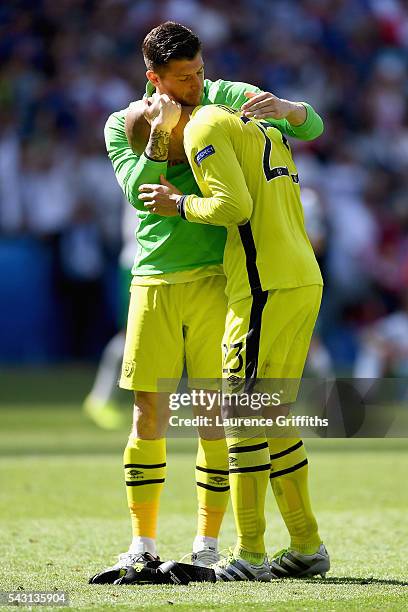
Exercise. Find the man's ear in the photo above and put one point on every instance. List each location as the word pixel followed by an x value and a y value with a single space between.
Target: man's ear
pixel 153 77
pixel 136 127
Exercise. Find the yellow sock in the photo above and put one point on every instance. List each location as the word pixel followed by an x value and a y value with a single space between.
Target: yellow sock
pixel 289 480
pixel 212 485
pixel 145 471
pixel 249 472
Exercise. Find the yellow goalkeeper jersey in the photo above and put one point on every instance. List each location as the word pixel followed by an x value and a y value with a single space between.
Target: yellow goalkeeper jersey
pixel 245 171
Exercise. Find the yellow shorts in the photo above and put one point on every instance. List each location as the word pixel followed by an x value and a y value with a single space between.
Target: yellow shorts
pixel 172 324
pixel 267 336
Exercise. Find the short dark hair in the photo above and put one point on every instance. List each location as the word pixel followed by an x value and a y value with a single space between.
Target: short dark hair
pixel 169 41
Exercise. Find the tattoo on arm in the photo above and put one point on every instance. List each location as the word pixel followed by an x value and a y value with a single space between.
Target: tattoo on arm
pixel 158 145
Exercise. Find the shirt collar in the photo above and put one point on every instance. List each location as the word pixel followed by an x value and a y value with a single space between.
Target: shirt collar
pixel 150 89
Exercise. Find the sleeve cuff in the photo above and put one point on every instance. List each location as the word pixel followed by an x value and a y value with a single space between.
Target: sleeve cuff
pixel 311 128
pixel 156 161
pixel 180 207
pixel 309 118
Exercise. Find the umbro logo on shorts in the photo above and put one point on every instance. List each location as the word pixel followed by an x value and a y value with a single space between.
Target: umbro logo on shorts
pixel 235 383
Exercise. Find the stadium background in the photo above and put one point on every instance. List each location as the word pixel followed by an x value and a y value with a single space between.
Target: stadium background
pixel 64 67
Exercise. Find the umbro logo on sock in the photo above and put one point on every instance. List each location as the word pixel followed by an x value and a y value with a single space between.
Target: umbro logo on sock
pixel 218 479
pixel 135 474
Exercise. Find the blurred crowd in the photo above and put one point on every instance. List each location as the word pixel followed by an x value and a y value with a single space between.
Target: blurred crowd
pixel 66 65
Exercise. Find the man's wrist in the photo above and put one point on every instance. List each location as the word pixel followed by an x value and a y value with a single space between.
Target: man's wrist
pixel 180 207
pixel 297 115
pixel 158 126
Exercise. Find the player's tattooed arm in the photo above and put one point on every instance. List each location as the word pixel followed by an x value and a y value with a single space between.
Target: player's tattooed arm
pixel 158 146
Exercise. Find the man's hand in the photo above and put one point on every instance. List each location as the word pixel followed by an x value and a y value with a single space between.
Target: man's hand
pixel 165 115
pixel 160 199
pixel 162 112
pixel 267 106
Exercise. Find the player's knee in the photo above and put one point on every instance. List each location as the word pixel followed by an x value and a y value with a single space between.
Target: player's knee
pixel 150 416
pixel 229 407
pixel 283 410
pixel 272 412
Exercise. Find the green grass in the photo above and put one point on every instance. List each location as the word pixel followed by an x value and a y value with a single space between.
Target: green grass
pixel 63 512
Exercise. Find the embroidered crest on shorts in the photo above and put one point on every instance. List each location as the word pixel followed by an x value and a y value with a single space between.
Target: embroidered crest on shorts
pixel 128 368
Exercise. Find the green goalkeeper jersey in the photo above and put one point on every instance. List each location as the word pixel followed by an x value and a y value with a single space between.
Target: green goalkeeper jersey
pixel 167 244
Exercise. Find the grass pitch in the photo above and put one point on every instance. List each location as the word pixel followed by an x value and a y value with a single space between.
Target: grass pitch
pixel 63 513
